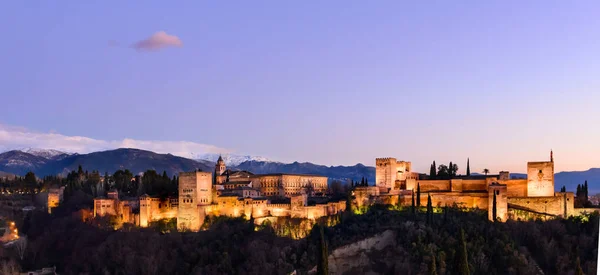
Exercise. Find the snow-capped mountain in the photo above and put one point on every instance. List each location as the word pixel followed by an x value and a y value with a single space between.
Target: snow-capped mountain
pixel 230 159
pixel 44 153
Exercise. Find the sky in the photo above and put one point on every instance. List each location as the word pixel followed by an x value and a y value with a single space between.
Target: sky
pixel 334 82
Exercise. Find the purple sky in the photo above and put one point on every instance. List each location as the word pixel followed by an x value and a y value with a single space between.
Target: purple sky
pixel 336 83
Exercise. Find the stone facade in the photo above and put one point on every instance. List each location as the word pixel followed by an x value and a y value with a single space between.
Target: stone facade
pixel 271 185
pixel 534 194
pixel 391 174
pixel 195 189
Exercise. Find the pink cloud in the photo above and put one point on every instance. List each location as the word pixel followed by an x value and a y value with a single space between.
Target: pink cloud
pixel 157 41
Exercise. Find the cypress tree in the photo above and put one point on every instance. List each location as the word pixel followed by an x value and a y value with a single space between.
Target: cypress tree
pixel 434 170
pixel 494 213
pixel 578 193
pixel 450 170
pixel 413 201
pixel 362 181
pixel 585 188
pixel 322 265
pixel 418 195
pixel 366 182
pixel 429 209
pixel 468 168
pixel 463 260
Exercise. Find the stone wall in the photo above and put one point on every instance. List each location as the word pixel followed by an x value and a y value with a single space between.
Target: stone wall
pixel 554 205
pixel 154 209
pixel 433 185
pixel 516 188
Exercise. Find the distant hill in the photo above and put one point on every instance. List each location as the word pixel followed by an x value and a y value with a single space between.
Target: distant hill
pixel 45 153
pixel 230 159
pixel 19 163
pixel 135 160
pixel 342 173
pixel 571 179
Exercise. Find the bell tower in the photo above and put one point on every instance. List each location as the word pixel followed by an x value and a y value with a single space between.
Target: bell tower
pixel 220 167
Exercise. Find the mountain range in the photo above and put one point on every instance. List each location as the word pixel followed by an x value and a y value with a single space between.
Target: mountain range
pixel 52 162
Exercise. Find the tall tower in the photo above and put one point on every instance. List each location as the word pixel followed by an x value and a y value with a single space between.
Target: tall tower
pixel 385 172
pixel 220 166
pixel 195 189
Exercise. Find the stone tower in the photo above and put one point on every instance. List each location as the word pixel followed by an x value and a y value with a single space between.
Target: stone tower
pixel 540 178
pixel 220 167
pixel 391 173
pixel 385 172
pixel 195 190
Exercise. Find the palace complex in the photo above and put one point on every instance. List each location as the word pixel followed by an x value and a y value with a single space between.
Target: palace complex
pixel 241 193
pixel 396 183
pixel 229 193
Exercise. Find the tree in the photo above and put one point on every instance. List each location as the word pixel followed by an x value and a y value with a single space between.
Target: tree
pixel 30 179
pixel 418 195
pixel 468 168
pixel 486 171
pixel 413 201
pixel 429 209
pixel 494 213
pixel 453 169
pixel 362 181
pixel 432 170
pixel 322 264
pixel 585 190
pixel 563 189
pixel 463 260
pixel 443 172
pixel 366 182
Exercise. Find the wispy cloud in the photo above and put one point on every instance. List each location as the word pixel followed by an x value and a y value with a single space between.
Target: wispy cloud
pixel 157 41
pixel 12 137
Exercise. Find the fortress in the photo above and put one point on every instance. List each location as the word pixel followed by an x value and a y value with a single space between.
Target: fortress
pixel 244 194
pixel 228 193
pixel 396 183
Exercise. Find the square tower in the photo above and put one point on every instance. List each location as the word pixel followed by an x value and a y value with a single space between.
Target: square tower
pixel 195 189
pixel 385 172
pixel 540 179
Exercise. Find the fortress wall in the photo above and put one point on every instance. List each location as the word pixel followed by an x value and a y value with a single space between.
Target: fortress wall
pixel 554 205
pixel 433 185
pixel 469 200
pixel 516 188
pixel 474 185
